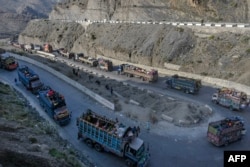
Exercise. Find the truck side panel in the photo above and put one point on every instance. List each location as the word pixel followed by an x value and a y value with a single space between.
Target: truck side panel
pixel 109 141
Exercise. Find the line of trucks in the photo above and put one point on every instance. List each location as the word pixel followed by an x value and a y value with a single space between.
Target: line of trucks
pixel 50 100
pixel 98 131
pixel 105 134
pixel 230 98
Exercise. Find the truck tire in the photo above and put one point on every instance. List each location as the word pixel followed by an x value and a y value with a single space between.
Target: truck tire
pixel 89 143
pixel 129 163
pixel 98 147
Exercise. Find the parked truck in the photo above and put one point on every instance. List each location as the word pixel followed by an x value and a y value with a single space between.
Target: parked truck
pixel 109 135
pixel 88 60
pixel 226 131
pixel 63 52
pixel 8 62
pixel 231 98
pixel 29 79
pixel 188 85
pixel 131 71
pixel 28 47
pixel 105 65
pixel 54 104
pixel 47 48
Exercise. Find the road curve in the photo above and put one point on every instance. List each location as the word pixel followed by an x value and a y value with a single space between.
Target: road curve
pixel 172 150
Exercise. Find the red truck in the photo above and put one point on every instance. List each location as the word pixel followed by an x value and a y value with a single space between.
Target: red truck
pixel 226 131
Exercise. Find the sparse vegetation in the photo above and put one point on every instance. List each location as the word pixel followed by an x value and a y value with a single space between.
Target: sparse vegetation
pixel 27 127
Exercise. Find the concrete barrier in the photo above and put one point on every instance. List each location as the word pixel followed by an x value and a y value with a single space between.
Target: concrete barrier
pixel 82 88
pixel 167 118
pixel 134 102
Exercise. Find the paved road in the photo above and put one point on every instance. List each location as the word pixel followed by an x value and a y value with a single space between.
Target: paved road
pixel 165 150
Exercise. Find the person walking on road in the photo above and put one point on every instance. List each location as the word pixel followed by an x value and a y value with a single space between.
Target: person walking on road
pixel 15 81
pixel 111 90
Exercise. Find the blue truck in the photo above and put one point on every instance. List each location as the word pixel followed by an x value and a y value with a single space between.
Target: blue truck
pixel 187 85
pixel 54 104
pixel 29 79
pixel 107 135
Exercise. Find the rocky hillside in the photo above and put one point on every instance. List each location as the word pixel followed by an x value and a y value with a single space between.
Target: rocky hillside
pixel 15 14
pixel 27 140
pixel 169 10
pixel 213 52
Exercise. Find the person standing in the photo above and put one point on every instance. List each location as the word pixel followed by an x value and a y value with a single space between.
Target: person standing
pixel 111 90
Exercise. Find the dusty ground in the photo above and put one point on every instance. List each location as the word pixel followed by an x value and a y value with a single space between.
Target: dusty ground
pixel 27 140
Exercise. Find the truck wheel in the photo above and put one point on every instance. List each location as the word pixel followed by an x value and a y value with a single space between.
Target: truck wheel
pixel 129 163
pixel 98 147
pixel 89 143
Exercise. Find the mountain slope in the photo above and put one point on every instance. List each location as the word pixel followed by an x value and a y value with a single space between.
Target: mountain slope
pixel 15 14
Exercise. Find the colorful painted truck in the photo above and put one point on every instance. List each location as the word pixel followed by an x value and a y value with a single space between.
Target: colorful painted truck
pixel 133 71
pixel 231 98
pixel 29 79
pixel 187 85
pixel 107 135
pixel 226 131
pixel 8 62
pixel 105 65
pixel 54 104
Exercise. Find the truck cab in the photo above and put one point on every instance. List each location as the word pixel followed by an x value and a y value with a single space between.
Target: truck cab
pixel 136 153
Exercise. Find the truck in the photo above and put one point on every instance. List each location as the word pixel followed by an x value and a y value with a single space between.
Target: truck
pixel 225 131
pixel 105 65
pixel 63 52
pixel 28 47
pixel 187 85
pixel 47 48
pixel 231 98
pixel 54 104
pixel 88 60
pixel 29 79
pixel 8 62
pixel 133 71
pixel 112 136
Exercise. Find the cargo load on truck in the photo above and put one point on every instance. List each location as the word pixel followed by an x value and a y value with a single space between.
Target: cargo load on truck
pixel 143 74
pixel 187 85
pixel 93 62
pixel 29 79
pixel 112 136
pixel 226 131
pixel 8 62
pixel 54 104
pixel 231 98
pixel 63 52
pixel 28 47
pixel 105 65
